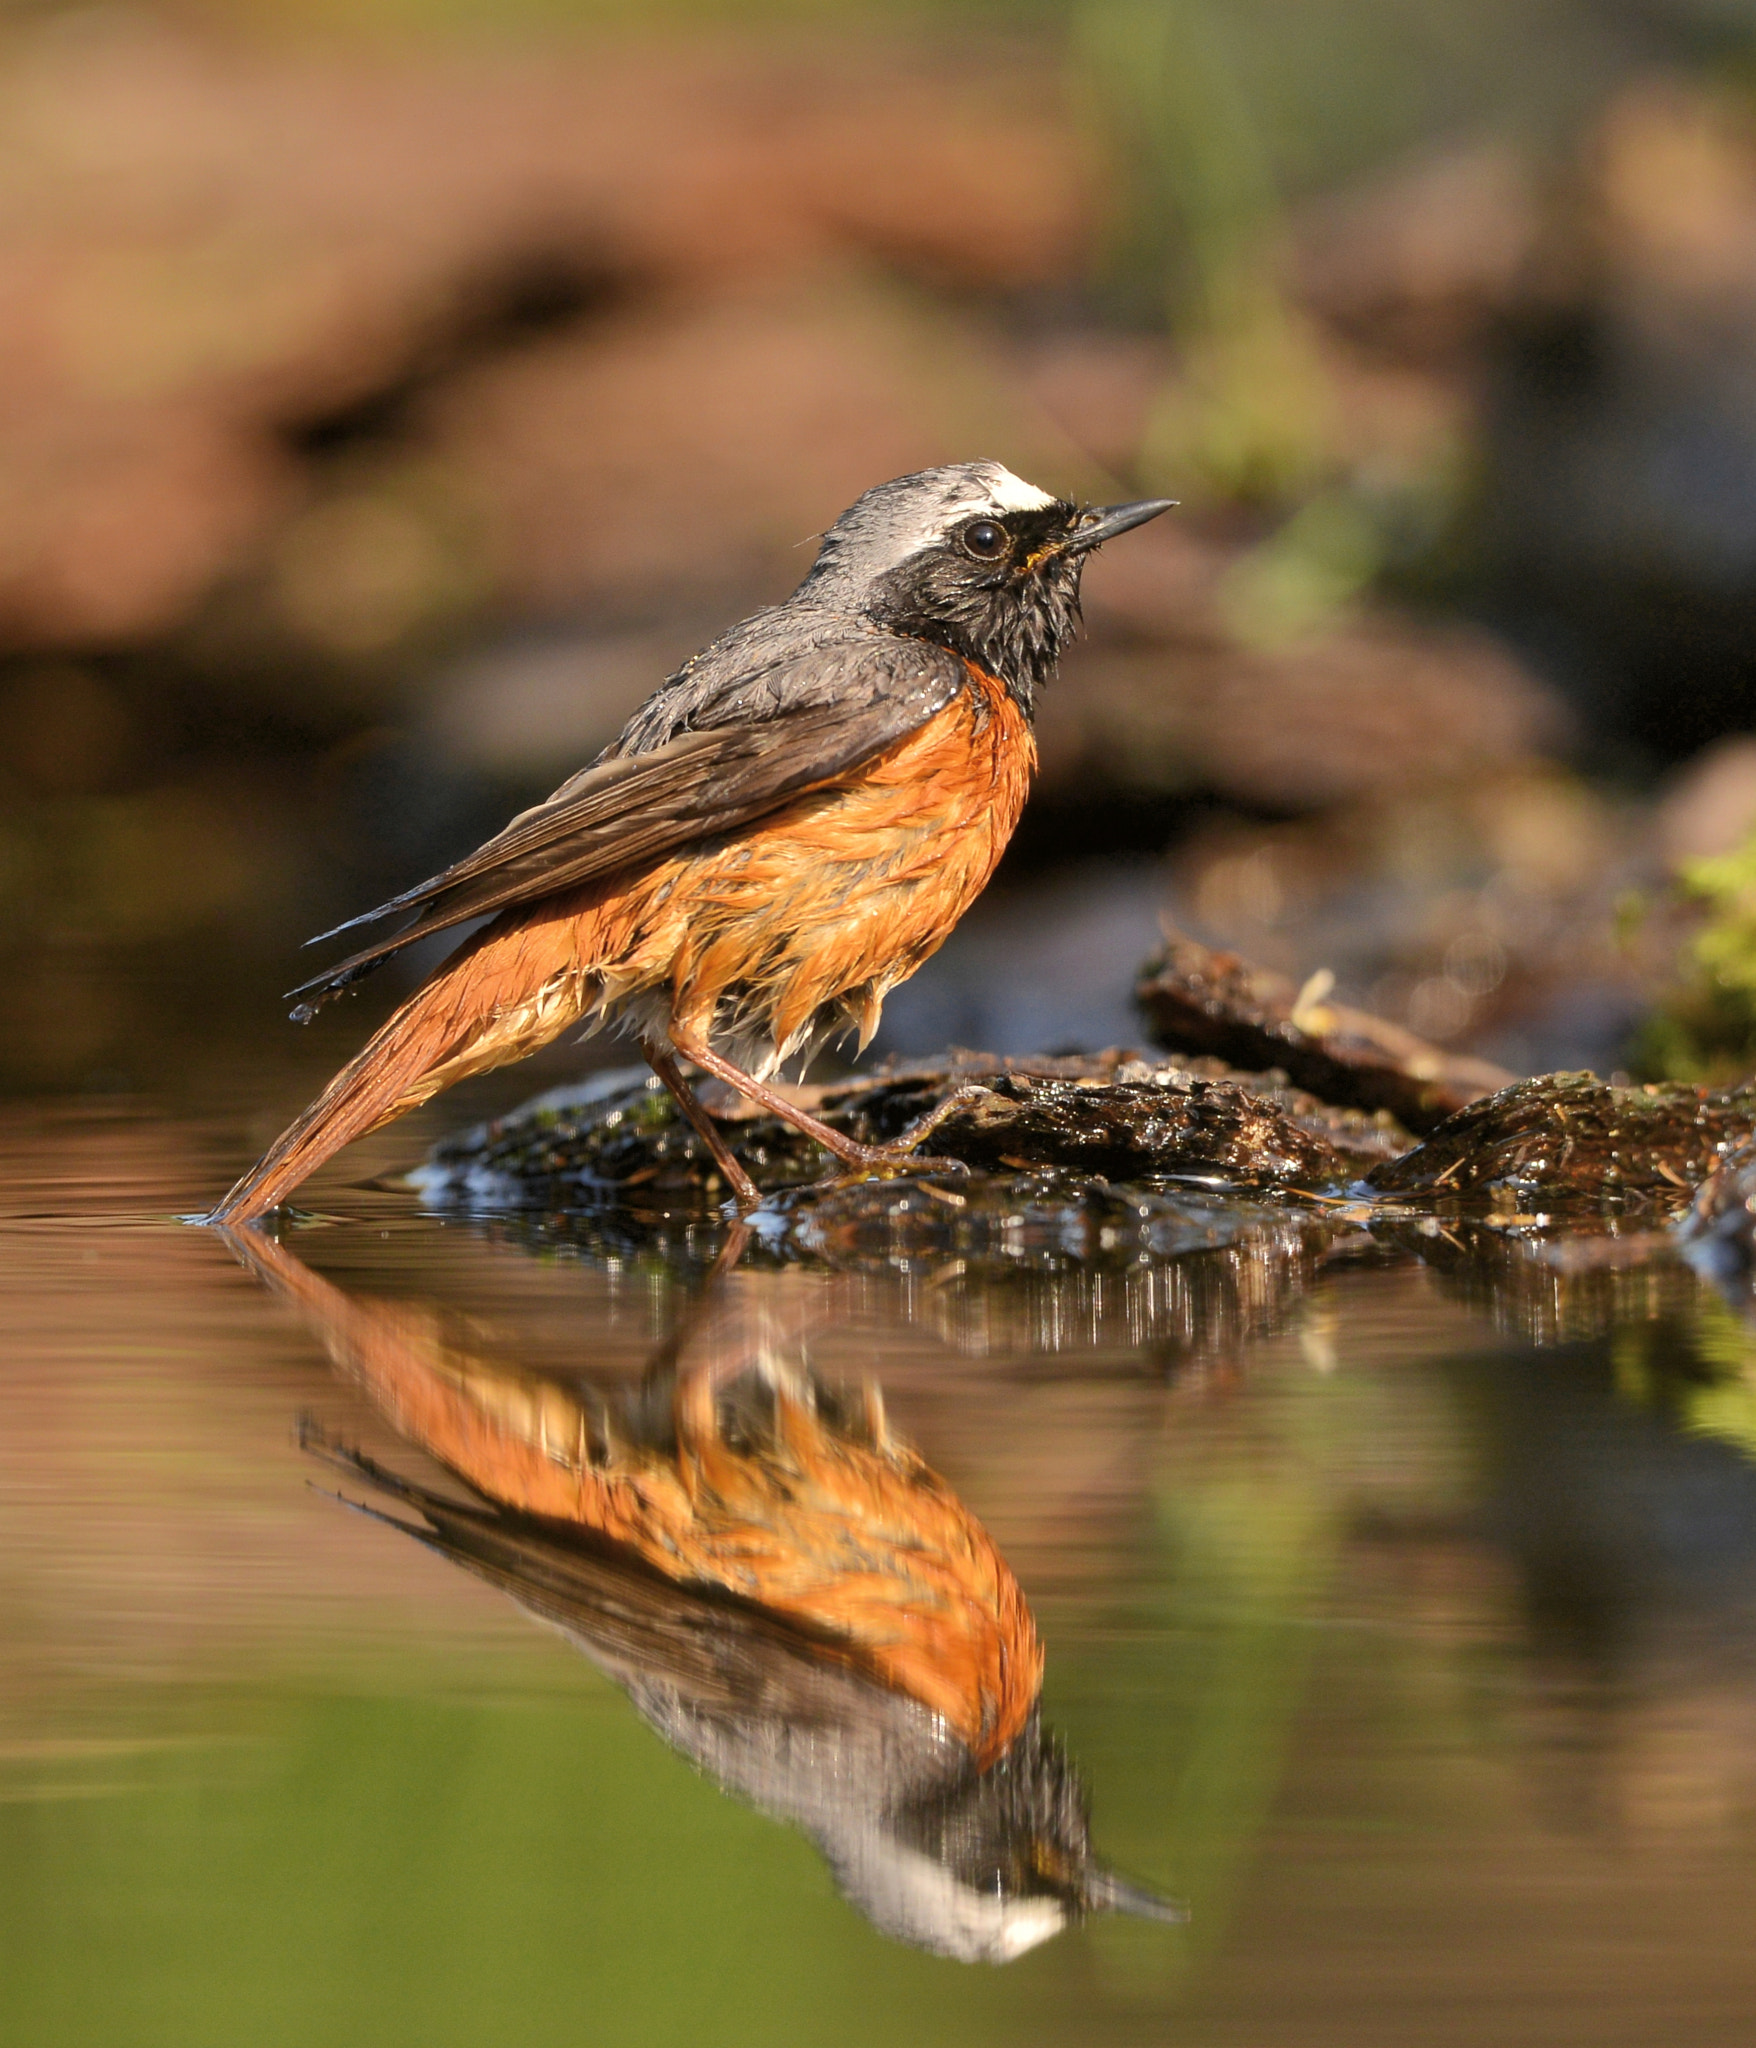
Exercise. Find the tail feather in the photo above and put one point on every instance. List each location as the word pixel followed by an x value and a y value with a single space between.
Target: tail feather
pixel 466 1020
pixel 374 1086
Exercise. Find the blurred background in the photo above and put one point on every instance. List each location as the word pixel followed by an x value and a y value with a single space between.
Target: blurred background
pixel 391 393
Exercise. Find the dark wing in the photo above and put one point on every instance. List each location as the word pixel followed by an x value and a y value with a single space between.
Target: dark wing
pixel 726 1656
pixel 777 730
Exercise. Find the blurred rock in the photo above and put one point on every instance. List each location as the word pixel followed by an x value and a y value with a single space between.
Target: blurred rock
pixel 1417 261
pixel 117 519
pixel 208 249
pixel 695 451
pixel 1374 708
pixel 1366 706
pixel 1098 387
pixel 320 365
pixel 1621 437
pixel 535 707
pixel 719 469
pixel 1485 914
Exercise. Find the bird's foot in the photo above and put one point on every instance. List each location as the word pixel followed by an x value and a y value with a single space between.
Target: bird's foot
pixel 891 1161
pixel 903 1154
pixel 886 1164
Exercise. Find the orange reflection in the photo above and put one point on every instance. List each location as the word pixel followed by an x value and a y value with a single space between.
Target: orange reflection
pixel 735 1471
pixel 784 1590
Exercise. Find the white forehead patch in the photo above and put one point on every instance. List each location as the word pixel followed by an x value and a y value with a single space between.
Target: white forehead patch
pixel 1009 493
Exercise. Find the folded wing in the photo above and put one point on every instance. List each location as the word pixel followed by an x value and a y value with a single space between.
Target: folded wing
pixel 810 723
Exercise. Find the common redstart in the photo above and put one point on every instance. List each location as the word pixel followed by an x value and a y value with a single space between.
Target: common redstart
pixel 784 831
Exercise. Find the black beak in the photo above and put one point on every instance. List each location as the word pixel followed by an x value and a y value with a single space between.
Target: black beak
pixel 1103 522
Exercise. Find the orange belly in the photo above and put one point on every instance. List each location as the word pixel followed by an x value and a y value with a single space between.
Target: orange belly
pixel 794 927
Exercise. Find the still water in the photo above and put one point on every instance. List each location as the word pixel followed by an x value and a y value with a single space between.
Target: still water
pixel 1392 1583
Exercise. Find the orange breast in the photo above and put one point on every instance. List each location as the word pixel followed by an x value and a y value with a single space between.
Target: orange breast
pixel 844 893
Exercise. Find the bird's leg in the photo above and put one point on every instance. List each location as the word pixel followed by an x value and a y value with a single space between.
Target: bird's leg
pixel 850 1151
pixel 663 1063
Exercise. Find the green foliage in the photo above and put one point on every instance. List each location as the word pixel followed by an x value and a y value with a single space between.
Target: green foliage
pixel 1193 246
pixel 1705 1028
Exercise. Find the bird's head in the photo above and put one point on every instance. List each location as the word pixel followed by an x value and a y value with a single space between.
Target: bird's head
pixel 992 1865
pixel 972 557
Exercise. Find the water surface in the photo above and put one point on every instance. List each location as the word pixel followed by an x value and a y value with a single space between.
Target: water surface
pixel 1394 1587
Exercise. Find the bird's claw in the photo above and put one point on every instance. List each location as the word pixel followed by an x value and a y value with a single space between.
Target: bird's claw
pixel 888 1165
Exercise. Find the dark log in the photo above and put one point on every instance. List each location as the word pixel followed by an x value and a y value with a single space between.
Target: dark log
pixel 1199 1000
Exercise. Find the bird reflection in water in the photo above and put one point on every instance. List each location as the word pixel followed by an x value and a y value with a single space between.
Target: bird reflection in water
pixel 785 1591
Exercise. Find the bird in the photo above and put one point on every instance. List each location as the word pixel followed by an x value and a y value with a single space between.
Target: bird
pixel 786 829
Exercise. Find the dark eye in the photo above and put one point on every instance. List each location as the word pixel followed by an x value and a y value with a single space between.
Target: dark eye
pixel 986 541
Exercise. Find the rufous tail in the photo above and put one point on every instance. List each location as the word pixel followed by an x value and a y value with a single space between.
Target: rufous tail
pixel 490 1003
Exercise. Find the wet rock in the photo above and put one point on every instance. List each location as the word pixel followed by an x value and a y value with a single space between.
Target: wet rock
pixel 1171 1123
pixel 1573 1138
pixel 1718 1233
pixel 1110 1115
pixel 1047 1255
pixel 1044 1263
pixel 1202 1001
pixel 618 1130
pixel 1048 1220
pixel 1037 1251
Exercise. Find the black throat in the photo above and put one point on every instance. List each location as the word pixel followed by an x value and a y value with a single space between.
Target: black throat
pixel 1011 623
